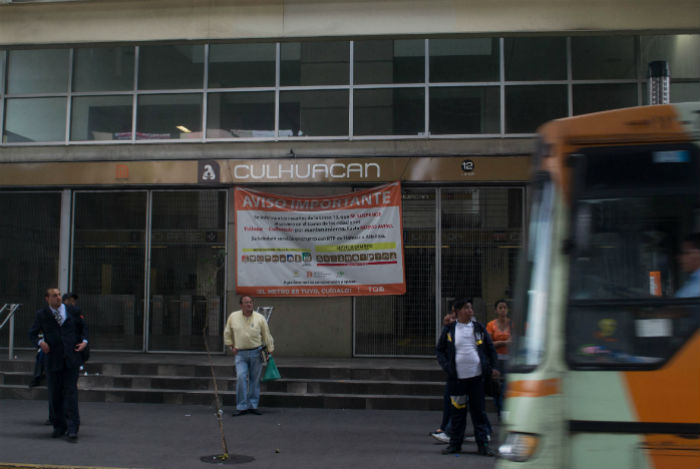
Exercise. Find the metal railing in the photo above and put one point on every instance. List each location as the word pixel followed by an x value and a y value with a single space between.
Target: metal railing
pixel 10 308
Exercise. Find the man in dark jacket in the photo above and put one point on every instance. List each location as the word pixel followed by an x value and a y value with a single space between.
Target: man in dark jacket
pixel 466 353
pixel 65 336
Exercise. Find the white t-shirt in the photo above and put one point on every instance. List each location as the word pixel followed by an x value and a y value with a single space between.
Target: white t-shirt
pixel 467 356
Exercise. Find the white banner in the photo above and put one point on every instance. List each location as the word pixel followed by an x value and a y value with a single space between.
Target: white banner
pixel 347 245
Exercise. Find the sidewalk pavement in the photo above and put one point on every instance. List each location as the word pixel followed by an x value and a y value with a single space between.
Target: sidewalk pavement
pixel 153 436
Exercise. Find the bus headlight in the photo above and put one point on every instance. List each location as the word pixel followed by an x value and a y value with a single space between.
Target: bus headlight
pixel 518 447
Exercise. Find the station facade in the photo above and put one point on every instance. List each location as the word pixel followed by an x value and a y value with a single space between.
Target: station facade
pixel 126 127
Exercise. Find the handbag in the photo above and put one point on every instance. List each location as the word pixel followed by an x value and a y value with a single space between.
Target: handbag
pixel 271 371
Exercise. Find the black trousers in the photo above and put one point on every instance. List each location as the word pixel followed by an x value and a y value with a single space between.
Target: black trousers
pixel 63 396
pixel 468 393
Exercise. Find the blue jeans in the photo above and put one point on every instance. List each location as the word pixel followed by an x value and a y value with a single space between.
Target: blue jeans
pixel 248 373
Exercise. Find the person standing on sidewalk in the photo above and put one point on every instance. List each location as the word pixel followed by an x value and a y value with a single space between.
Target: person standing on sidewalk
pixel 65 336
pixel 499 330
pixel 467 355
pixel 246 334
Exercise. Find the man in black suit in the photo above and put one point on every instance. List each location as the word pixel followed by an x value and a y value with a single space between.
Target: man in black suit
pixel 65 336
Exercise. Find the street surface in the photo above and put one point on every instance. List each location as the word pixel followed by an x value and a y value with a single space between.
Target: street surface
pixel 153 436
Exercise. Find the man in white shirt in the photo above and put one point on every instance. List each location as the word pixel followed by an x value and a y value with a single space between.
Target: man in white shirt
pixel 465 351
pixel 246 333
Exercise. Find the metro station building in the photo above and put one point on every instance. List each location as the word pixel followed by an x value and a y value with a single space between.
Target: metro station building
pixel 126 125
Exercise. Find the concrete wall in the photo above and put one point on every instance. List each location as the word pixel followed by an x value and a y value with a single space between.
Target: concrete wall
pixel 158 20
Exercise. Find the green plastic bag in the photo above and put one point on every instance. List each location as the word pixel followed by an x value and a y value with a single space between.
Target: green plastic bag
pixel 271 371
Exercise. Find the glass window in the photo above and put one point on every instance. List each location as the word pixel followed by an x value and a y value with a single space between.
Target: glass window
pixel 315 63
pixel 103 69
pixel 629 304
pixel 684 92
pixel 467 110
pixel 593 98
pixel 241 65
pixel 241 115
pixel 29 246
pixel 603 57
pixel 313 113
pixel 457 60
pixel 38 71
pixel 171 67
pixel 682 52
pixel 35 120
pixel 168 116
pixel 108 266
pixel 387 61
pixel 529 106
pixel 187 274
pixel 100 117
pixel 398 111
pixel 535 58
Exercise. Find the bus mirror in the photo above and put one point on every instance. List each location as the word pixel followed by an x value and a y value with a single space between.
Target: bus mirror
pixel 582 231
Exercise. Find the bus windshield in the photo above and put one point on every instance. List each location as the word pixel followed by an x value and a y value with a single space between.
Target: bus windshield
pixel 529 323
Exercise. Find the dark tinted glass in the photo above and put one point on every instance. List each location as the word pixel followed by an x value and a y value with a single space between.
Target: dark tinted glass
pixel 315 63
pixel 100 117
pixel 456 60
pixel 241 65
pixel 171 67
pixel 168 116
pixel 398 111
pixel 471 110
pixel 103 69
pixel 603 57
pixel 386 61
pixel 527 107
pixel 592 98
pixel 313 113
pixel 535 58
pixel 241 115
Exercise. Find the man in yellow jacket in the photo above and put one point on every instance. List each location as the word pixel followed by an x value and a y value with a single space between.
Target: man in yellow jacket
pixel 246 333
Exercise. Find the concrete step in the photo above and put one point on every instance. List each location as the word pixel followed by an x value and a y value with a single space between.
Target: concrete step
pixel 294 386
pixel 184 379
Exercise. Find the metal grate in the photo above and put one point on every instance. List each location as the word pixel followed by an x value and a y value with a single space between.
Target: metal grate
pixel 479 229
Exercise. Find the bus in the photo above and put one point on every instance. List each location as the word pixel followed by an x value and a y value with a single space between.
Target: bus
pixel 604 370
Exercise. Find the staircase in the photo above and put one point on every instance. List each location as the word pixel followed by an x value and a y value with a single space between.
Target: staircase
pixel 360 383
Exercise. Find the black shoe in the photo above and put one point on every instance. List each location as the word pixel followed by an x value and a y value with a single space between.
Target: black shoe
pixel 484 450
pixel 238 413
pixel 58 432
pixel 254 411
pixel 72 437
pixel 451 450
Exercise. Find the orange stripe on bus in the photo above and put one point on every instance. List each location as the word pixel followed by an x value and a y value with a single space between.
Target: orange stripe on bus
pixel 670 394
pixel 534 388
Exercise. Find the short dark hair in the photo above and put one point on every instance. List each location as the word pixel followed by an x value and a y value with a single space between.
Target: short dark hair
pixel 459 304
pixel 69 295
pixel 495 305
pixel 240 300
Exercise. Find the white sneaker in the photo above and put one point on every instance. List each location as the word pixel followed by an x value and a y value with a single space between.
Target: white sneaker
pixel 441 437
